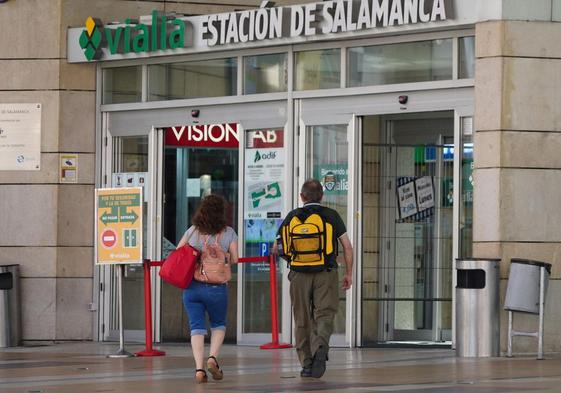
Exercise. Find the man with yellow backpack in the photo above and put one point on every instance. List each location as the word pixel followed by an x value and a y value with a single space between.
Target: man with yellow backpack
pixel 309 239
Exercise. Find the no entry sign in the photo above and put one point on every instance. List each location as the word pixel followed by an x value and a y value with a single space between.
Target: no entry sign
pixel 108 238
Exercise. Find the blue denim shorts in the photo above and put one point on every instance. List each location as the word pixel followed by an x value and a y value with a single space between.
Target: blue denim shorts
pixel 200 298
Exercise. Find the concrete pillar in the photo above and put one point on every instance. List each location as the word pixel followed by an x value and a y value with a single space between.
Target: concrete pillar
pixel 517 159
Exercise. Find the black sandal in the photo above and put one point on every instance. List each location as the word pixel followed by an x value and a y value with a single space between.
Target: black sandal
pixel 199 379
pixel 214 369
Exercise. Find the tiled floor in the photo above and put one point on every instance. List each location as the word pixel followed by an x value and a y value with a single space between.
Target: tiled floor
pixel 84 368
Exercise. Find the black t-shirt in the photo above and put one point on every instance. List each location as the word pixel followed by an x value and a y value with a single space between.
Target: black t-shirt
pixel 329 215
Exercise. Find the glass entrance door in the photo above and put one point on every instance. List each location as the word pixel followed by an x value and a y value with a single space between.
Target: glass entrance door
pixel 328 151
pixel 407 175
pixel 251 174
pixel 128 167
pixel 191 173
pixel 266 191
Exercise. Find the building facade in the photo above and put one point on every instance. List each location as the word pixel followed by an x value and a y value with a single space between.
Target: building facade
pixel 433 126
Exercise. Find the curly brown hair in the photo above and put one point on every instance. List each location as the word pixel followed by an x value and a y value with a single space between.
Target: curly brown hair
pixel 210 217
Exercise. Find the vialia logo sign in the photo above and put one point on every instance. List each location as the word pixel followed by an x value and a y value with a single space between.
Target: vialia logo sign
pixel 133 37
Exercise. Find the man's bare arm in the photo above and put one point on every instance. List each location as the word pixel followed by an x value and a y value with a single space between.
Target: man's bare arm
pixel 348 254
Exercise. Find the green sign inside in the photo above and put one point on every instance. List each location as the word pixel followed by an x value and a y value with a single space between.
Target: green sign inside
pixel 333 177
pixel 133 37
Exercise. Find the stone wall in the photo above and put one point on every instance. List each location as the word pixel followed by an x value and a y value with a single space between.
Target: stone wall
pixel 517 160
pixel 47 227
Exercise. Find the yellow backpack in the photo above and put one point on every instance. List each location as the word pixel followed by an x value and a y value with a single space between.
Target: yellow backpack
pixel 307 240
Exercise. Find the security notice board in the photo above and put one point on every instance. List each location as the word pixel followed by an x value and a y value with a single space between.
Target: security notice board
pixel 20 137
pixel 118 225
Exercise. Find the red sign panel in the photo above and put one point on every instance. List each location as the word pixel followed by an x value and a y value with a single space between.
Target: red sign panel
pixel 264 139
pixel 204 135
pixel 108 238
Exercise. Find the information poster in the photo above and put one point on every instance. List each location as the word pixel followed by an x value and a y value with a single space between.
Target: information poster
pixel 264 174
pixel 406 200
pixel 131 179
pixel 425 193
pixel 259 237
pixel 118 225
pixel 265 165
pixel 415 198
pixel 69 168
pixel 20 137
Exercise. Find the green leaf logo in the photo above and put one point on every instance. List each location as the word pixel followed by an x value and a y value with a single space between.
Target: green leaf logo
pixel 257 157
pixel 91 39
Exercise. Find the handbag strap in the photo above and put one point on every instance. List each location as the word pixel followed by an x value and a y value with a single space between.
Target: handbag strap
pixel 189 237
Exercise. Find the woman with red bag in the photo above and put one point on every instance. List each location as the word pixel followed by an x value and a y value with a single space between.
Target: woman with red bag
pixel 200 298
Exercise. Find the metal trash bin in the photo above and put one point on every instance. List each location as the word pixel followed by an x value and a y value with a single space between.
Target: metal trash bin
pixel 10 306
pixel 477 307
pixel 523 288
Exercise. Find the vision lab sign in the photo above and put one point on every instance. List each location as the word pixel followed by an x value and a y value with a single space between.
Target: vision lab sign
pixel 222 135
pixel 204 135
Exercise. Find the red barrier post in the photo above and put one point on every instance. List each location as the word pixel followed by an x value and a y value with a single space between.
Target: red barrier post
pixel 149 351
pixel 274 344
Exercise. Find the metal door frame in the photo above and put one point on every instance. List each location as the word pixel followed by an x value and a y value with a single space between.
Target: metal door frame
pixel 155 212
pixel 107 278
pixel 345 109
pixel 128 123
pixel 249 110
pixel 354 132
pixel 386 325
pixel 285 312
pixel 351 109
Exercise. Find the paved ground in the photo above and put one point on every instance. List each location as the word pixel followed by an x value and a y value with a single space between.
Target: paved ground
pixel 84 368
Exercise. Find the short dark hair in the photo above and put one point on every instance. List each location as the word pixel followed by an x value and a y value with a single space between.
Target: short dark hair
pixel 312 191
pixel 210 217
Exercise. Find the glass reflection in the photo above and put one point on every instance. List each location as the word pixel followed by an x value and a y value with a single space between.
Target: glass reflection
pixel 467 57
pixel 122 84
pixel 319 69
pixel 209 78
pixel 330 163
pixel 400 63
pixel 265 73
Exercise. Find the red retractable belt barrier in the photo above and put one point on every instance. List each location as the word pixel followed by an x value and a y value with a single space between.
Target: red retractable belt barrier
pixel 149 351
pixel 274 344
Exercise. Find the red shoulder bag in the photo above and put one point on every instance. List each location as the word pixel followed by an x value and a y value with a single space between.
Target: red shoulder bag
pixel 179 267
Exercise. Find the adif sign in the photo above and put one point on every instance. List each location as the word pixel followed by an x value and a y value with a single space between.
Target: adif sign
pixel 207 135
pixel 320 18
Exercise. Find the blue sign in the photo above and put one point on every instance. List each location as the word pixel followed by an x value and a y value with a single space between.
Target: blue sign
pixel 264 249
pixel 447 153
